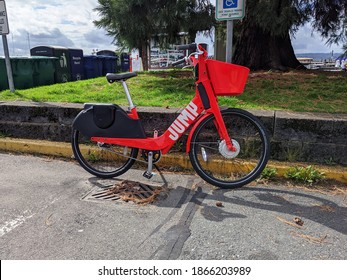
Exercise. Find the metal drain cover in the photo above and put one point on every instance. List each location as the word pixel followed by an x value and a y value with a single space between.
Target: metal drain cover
pixel 126 190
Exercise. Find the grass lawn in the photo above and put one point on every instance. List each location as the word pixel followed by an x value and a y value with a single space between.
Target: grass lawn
pixel 302 91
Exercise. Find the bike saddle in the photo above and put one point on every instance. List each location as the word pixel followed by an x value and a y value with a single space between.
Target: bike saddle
pixel 119 77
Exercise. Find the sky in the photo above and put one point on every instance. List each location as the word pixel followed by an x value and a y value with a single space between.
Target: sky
pixel 70 24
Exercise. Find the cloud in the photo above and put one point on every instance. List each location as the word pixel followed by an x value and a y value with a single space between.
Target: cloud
pixel 308 41
pixel 67 22
pixel 21 44
pixel 51 37
pixel 53 22
pixel 97 36
pixel 40 8
pixel 70 23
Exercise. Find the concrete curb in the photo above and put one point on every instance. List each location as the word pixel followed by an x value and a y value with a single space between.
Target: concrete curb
pixel 303 137
pixel 63 149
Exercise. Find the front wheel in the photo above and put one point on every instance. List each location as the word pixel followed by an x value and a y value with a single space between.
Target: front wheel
pixel 100 159
pixel 220 167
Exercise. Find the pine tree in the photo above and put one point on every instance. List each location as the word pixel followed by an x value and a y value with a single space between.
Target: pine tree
pixel 344 48
pixel 129 22
pixel 264 41
pixel 132 23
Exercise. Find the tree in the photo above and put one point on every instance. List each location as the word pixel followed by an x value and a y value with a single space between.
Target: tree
pixel 129 22
pixel 132 23
pixel 344 49
pixel 264 41
pixel 200 16
pixel 177 16
pixel 330 19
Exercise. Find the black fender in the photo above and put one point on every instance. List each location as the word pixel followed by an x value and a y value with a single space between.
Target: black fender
pixel 107 120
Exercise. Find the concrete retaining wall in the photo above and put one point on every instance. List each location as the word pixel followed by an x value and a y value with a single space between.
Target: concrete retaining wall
pixel 317 138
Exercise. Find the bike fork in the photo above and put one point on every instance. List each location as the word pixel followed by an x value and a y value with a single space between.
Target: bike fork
pixel 219 123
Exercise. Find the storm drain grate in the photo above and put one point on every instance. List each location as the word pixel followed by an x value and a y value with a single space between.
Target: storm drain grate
pixel 126 190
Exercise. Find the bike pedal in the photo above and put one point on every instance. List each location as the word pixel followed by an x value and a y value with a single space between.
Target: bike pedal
pixel 148 175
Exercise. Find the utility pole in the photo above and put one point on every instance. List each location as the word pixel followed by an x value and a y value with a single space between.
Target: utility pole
pixel 29 42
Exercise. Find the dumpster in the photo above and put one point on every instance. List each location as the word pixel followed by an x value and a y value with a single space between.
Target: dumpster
pixel 3 75
pixel 76 64
pixel 62 65
pixel 44 70
pixel 125 62
pixel 109 64
pixel 92 66
pixel 106 53
pixel 22 72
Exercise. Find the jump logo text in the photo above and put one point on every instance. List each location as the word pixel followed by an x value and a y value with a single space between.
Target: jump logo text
pixel 187 116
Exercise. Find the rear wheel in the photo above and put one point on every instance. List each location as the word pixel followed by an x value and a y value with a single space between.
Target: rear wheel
pixel 100 159
pixel 217 165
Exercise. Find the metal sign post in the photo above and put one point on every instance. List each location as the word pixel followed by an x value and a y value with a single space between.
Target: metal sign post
pixel 229 44
pixel 230 10
pixel 4 30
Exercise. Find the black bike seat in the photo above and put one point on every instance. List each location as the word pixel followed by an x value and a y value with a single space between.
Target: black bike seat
pixel 119 77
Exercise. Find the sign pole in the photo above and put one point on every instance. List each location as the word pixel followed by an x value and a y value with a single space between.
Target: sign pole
pixel 229 44
pixel 4 30
pixel 230 10
pixel 8 63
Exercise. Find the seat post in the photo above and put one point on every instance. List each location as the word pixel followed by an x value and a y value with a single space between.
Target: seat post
pixel 127 93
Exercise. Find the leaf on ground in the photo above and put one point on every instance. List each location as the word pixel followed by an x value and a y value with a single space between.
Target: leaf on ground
pixel 288 222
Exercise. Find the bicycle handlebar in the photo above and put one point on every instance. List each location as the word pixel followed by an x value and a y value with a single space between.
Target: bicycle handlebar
pixel 180 61
pixel 199 50
pixel 191 47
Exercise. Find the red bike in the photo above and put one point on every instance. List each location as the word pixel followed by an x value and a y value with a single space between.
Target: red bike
pixel 227 148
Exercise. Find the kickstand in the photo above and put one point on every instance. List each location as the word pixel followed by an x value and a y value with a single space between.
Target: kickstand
pixel 148 173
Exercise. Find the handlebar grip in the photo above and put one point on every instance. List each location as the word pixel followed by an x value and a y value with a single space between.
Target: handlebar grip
pixel 190 47
pixel 180 61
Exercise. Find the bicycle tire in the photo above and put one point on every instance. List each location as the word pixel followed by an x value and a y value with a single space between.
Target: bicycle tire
pixel 230 170
pixel 101 160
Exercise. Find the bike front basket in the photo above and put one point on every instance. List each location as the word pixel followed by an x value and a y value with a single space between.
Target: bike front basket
pixel 227 78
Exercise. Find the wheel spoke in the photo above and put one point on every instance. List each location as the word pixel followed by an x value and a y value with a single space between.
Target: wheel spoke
pixel 221 167
pixel 102 160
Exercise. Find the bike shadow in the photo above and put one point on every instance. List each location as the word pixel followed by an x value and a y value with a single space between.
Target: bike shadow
pixel 202 197
pixel 295 202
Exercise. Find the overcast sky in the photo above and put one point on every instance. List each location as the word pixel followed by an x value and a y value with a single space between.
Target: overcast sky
pixel 70 24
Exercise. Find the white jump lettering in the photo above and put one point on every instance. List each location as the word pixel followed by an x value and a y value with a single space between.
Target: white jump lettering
pixel 182 121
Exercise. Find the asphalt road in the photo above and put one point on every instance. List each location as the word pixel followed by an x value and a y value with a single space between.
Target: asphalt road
pixel 48 212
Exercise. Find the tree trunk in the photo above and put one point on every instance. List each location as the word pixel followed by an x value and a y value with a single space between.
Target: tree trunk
pixel 143 50
pixel 258 49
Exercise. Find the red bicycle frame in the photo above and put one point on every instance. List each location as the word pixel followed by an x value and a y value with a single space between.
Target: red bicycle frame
pixel 203 104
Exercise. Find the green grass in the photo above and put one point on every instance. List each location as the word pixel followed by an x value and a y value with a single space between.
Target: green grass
pixel 304 91
pixel 298 91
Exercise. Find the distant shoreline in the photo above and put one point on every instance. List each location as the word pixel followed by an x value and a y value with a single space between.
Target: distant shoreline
pixel 319 56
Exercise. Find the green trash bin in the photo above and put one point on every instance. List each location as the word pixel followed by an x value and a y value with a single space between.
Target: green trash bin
pixel 3 75
pixel 62 65
pixel 22 72
pixel 44 70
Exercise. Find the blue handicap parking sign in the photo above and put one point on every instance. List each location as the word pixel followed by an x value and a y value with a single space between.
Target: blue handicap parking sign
pixel 227 4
